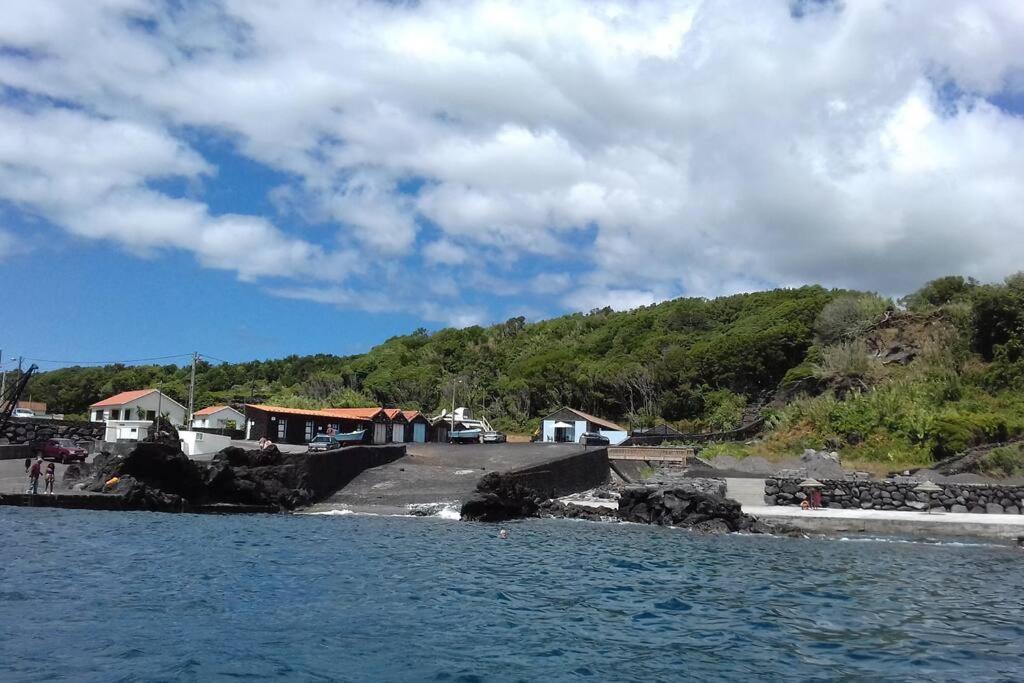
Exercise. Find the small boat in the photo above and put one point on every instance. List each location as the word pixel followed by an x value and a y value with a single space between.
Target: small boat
pixel 466 435
pixel 350 437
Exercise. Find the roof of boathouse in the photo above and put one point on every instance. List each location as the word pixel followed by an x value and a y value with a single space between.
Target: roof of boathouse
pixel 362 414
pixel 601 422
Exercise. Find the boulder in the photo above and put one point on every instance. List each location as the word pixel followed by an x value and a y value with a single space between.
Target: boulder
pixel 994 509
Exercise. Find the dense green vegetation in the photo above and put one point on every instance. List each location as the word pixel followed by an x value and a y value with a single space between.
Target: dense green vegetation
pixel 825 357
pixel 688 359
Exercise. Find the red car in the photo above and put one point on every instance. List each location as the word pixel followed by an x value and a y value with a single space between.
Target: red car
pixel 61 450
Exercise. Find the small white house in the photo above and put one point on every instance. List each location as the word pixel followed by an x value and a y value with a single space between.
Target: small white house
pixel 129 414
pixel 568 425
pixel 218 417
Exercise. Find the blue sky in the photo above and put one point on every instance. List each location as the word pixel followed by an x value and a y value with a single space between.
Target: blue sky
pixel 252 180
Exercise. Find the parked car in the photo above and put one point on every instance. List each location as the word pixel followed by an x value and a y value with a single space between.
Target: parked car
pixel 494 437
pixel 61 450
pixel 593 439
pixel 22 412
pixel 322 442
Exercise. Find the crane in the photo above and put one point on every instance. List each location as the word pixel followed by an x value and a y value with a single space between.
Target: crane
pixel 10 398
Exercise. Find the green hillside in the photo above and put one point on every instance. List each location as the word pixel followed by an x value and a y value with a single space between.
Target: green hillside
pixel 807 356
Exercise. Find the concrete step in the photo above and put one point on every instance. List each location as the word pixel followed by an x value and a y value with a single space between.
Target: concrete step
pixel 746 492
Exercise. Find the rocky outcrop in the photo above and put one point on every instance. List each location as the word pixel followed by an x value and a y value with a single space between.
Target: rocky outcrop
pixel 158 476
pixel 500 498
pixel 686 508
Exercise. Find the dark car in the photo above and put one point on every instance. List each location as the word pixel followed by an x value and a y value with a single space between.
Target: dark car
pixel 322 442
pixel 61 450
pixel 593 439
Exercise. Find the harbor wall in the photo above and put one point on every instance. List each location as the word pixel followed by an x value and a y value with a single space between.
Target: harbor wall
pixel 890 495
pixel 332 470
pixel 570 474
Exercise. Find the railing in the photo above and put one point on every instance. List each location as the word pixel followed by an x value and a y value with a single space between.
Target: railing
pixel 649 453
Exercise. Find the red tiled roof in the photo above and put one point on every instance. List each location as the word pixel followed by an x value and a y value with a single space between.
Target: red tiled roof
pixel 122 398
pixel 363 414
pixel 211 410
pixel 411 415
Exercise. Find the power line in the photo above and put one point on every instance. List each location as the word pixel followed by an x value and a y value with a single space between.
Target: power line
pixel 107 362
pixel 206 356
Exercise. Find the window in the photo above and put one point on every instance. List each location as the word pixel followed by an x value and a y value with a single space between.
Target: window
pixel 309 430
pixel 115 414
pixel 282 430
pixel 151 415
pixel 97 416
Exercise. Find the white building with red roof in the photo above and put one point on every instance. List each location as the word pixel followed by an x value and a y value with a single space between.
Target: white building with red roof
pixel 129 414
pixel 219 417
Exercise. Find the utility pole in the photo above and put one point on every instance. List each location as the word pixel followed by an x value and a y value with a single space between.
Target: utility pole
pixel 192 388
pixel 3 374
pixel 453 411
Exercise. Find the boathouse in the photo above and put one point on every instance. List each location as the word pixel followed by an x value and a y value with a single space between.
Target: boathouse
pixel 567 425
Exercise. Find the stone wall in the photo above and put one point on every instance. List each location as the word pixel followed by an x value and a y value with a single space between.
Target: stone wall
pixel 890 495
pixel 27 430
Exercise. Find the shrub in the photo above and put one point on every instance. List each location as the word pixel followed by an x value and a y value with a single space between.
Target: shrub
pixel 1006 461
pixel 848 316
pixel 848 360
pixel 940 292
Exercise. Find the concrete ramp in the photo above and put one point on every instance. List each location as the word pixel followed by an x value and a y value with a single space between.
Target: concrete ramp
pixel 443 474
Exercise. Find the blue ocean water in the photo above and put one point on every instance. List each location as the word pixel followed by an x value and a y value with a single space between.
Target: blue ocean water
pixel 142 596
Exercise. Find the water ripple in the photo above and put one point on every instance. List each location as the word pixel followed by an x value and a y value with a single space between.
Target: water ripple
pixel 139 596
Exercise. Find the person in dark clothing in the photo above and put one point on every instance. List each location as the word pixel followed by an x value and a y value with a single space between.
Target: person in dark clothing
pixel 28 464
pixel 50 477
pixel 33 476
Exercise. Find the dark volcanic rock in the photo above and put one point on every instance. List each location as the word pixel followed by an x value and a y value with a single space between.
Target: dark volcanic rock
pixel 682 507
pixel 499 498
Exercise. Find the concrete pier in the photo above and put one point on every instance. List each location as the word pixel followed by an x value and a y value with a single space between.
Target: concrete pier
pixel 442 473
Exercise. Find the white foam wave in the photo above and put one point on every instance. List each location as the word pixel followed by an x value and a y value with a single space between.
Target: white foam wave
pixel 962 544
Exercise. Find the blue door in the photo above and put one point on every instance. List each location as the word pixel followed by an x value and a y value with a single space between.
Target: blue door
pixel 419 433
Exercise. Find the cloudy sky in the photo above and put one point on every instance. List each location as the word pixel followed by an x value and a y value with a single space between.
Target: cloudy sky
pixel 253 179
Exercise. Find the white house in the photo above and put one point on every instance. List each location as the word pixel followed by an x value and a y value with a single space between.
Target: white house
pixel 219 417
pixel 129 414
pixel 568 425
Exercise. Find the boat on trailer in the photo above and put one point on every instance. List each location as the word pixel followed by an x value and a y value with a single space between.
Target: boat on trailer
pixel 350 437
pixel 473 435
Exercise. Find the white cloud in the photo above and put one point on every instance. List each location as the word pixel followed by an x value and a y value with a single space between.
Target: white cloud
pixel 668 147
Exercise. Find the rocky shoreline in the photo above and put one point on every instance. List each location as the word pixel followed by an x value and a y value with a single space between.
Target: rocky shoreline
pixel 698 505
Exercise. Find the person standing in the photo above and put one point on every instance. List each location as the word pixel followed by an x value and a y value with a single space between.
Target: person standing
pixel 50 477
pixel 28 464
pixel 33 475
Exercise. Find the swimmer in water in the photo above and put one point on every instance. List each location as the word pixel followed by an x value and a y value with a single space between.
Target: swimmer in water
pixel 503 534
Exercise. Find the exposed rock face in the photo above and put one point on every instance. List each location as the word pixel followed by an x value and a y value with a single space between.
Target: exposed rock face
pixel 499 499
pixel 158 476
pixel 683 507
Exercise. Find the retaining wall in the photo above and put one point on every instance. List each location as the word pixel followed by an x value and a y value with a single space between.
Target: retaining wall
pixel 27 429
pixel 571 474
pixel 889 495
pixel 331 470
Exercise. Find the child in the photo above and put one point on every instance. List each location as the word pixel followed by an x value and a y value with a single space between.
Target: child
pixel 50 472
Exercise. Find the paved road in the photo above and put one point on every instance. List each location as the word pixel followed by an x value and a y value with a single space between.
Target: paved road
pixel 831 520
pixel 14 480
